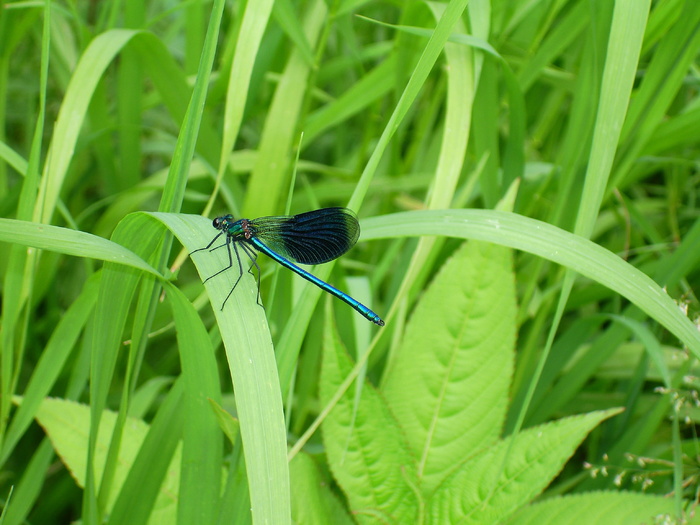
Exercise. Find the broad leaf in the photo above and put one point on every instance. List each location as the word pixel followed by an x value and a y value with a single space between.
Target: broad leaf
pixel 68 424
pixel 499 480
pixel 365 446
pixel 448 384
pixel 621 508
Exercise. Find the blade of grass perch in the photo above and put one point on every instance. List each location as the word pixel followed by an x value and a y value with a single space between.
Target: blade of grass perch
pixel 253 370
pixel 552 243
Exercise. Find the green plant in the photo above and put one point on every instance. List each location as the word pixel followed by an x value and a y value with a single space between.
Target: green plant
pixel 121 121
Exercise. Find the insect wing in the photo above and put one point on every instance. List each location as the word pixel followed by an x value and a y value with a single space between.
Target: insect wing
pixel 313 237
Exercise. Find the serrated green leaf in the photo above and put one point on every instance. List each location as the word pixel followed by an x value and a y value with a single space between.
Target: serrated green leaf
pixel 448 385
pixel 365 447
pixel 491 486
pixel 620 508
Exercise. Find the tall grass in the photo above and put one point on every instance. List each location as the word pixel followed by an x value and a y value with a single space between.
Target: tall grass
pixel 546 367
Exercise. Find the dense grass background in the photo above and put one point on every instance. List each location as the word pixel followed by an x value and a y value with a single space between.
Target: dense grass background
pixel 565 129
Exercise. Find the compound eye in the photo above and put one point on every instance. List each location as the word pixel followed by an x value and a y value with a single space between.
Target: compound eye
pixel 216 223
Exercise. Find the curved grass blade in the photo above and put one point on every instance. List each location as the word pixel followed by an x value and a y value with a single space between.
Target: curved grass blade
pixel 557 245
pixel 253 370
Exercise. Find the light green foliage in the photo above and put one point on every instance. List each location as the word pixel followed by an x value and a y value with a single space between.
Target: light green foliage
pixel 456 361
pixel 313 502
pixel 366 448
pixel 490 486
pixel 446 394
pixel 67 424
pixel 557 138
pixel 621 508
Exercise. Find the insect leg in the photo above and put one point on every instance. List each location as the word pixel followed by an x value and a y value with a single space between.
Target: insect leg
pixel 217 247
pixel 230 259
pixel 208 245
pixel 253 256
pixel 240 268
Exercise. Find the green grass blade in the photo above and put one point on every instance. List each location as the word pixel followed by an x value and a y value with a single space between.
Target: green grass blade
pixel 84 80
pixel 291 338
pixel 466 318
pixel 173 193
pixel 285 16
pixel 252 366
pixel 52 361
pixel 624 46
pixel 14 159
pixel 117 289
pixel 368 90
pixel 202 444
pixel 550 242
pixel 270 176
pixel 26 492
pixel 255 20
pixel 432 51
pixel 70 242
pixel 143 487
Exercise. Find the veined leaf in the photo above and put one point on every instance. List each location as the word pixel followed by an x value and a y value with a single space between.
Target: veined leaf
pixel 448 384
pixel 365 446
pixel 495 483
pixel 621 508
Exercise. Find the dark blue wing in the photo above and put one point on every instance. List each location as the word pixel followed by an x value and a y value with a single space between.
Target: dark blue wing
pixel 313 237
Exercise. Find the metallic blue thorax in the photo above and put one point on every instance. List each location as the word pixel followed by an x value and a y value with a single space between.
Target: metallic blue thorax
pixel 238 230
